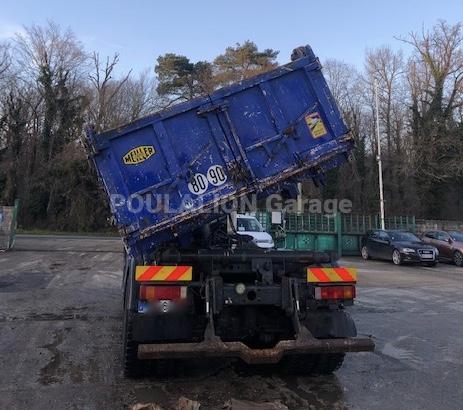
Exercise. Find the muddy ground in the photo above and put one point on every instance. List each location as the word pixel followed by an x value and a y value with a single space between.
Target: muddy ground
pixel 60 325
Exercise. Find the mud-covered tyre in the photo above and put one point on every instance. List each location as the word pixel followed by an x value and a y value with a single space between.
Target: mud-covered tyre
pixel 458 258
pixel 329 363
pixel 312 364
pixel 131 364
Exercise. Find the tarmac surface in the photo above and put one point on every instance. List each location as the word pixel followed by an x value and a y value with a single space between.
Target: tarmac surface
pixel 60 340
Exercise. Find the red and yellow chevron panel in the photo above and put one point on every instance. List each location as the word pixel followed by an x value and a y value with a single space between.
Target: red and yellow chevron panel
pixel 163 273
pixel 327 275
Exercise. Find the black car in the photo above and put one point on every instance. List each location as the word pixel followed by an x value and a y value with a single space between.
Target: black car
pixel 398 246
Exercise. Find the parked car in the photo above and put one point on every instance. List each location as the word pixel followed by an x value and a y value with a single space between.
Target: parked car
pixel 398 246
pixel 449 243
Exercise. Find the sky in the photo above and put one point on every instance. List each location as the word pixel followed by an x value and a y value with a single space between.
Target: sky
pixel 140 31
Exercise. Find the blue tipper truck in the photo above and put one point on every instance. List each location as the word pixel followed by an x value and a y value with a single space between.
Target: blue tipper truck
pixel 193 287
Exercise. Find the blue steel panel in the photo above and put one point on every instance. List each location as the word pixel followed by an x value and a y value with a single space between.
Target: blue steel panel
pixel 257 131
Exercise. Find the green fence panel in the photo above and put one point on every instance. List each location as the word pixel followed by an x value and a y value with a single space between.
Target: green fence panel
pixel 350 244
pixel 305 241
pixel 312 242
pixel 265 219
pixel 401 223
pixel 290 241
pixel 327 242
pixel 341 233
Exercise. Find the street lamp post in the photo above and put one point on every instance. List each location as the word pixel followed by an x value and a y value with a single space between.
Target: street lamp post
pixel 380 164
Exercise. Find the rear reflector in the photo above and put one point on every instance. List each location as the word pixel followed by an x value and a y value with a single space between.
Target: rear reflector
pixel 156 273
pixel 335 292
pixel 148 292
pixel 324 275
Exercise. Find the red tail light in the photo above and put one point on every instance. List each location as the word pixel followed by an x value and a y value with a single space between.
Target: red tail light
pixel 148 292
pixel 335 292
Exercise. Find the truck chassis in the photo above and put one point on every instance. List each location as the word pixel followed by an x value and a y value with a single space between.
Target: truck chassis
pixel 244 303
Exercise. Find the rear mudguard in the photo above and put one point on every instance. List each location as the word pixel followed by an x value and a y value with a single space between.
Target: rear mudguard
pixel 325 324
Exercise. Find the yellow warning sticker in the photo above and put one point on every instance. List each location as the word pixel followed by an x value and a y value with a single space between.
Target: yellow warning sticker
pixel 315 123
pixel 138 154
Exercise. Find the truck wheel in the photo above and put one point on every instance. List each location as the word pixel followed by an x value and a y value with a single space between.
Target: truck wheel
pixel 329 363
pixel 396 257
pixel 132 366
pixel 458 258
pixel 313 364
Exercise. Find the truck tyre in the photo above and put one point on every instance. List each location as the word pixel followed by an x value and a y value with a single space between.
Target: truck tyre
pixel 132 366
pixel 329 363
pixel 458 258
pixel 301 365
pixel 396 257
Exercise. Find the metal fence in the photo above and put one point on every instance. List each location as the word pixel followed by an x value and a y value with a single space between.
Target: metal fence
pixel 334 232
pixel 351 223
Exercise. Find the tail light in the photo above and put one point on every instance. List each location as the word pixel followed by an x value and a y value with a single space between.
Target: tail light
pixel 152 293
pixel 335 292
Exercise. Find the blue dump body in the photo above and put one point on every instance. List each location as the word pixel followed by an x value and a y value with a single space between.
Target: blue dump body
pixel 250 137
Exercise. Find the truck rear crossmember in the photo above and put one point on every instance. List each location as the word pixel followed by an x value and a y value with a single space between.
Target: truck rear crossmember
pixel 213 346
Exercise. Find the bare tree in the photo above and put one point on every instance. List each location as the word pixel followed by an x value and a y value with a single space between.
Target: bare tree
pixel 386 67
pixel 435 75
pixel 5 59
pixel 439 55
pixel 138 97
pixel 50 64
pixel 49 47
pixel 52 61
pixel 347 87
pixel 341 78
pixel 106 89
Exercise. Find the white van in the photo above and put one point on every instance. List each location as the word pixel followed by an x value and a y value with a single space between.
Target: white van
pixel 249 225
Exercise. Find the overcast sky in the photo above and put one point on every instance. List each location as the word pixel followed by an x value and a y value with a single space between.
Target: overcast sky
pixel 141 30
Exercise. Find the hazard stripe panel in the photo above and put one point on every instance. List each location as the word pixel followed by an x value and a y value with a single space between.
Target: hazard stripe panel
pixel 163 273
pixel 326 275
